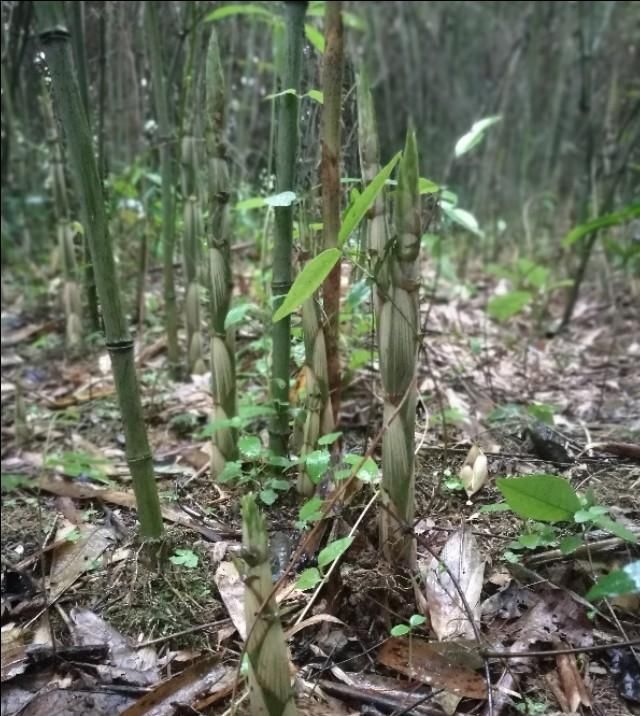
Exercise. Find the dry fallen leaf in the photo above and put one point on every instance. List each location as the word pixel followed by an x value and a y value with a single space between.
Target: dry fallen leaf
pixel 459 558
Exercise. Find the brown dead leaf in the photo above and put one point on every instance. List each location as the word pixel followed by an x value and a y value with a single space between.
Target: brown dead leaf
pixel 418 659
pixel 572 683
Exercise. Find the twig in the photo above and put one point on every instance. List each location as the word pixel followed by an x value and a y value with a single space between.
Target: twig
pixel 555 652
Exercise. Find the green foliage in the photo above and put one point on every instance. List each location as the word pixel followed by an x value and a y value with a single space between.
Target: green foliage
pixel 307 282
pixel 80 464
pixel 540 497
pixel 475 135
pixel 612 219
pixel 12 482
pixel 185 558
pixel 363 202
pixel 616 583
pixel 415 621
pixel 313 576
pixel 504 307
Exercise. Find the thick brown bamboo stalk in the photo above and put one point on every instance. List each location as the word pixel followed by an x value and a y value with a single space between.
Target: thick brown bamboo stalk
pixel 55 38
pixel 223 377
pixel 398 345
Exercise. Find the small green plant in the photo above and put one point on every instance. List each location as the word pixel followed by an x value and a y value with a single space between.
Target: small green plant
pixel 415 621
pixel 80 464
pixel 314 575
pixel 185 558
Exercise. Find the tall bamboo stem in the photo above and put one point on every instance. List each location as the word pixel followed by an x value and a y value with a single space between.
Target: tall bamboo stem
pixel 286 150
pixel 55 38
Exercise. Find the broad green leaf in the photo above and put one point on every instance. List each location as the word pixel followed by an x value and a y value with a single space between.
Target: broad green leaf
pixel 317 464
pixel 617 529
pixel 570 544
pixel 282 485
pixel 356 212
pixel 240 9
pixel 495 507
pixel 12 481
pixel 307 282
pixel 504 307
pixel 368 471
pixel 311 511
pixel 316 95
pixel 529 541
pixel 616 583
pixel 185 558
pixel 475 135
pixel 426 186
pixel 546 498
pixel 230 471
pixel 268 496
pixel 315 37
pixel 250 446
pixel 247 412
pixel 543 413
pixel 333 551
pixel 417 620
pixel 308 579
pixel 237 313
pixel 328 438
pixel 285 198
pixel 612 219
pixel 462 217
pixel 400 630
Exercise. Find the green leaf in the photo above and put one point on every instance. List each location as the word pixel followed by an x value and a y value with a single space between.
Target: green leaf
pixel 617 529
pixel 529 541
pixel 307 282
pixel 317 464
pixel 333 551
pixel 308 579
pixel 329 438
pixel 504 307
pixel 238 313
pixel 268 496
pixel 417 620
pixel 543 413
pixel 612 219
pixel 368 471
pixel 315 37
pixel 400 630
pixel 616 583
pixel 311 511
pixel 495 507
pixel 185 558
pixel 540 497
pixel 356 212
pixel 570 544
pixel 248 412
pixel 282 485
pixel 462 217
pixel 250 446
pixel 475 135
pixel 315 95
pixel 11 481
pixel 240 9
pixel 230 471
pixel 426 186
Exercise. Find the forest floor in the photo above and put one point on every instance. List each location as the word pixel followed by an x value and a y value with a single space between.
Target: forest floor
pixel 88 628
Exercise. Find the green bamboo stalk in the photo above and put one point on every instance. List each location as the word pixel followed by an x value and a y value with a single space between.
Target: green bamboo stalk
pixel 80 58
pixel 55 38
pixel 160 94
pixel 330 179
pixel 71 301
pixel 270 689
pixel 286 150
pixel 398 329
pixel 223 375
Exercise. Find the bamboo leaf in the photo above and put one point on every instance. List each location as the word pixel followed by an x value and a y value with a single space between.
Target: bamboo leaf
pixel 601 222
pixel 475 135
pixel 307 282
pixel 240 9
pixel 540 497
pixel 356 212
pixel 333 551
pixel 503 307
pixel 315 37
pixel 316 95
pixel 462 217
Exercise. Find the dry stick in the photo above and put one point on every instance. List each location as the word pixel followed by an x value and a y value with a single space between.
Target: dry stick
pixel 556 652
